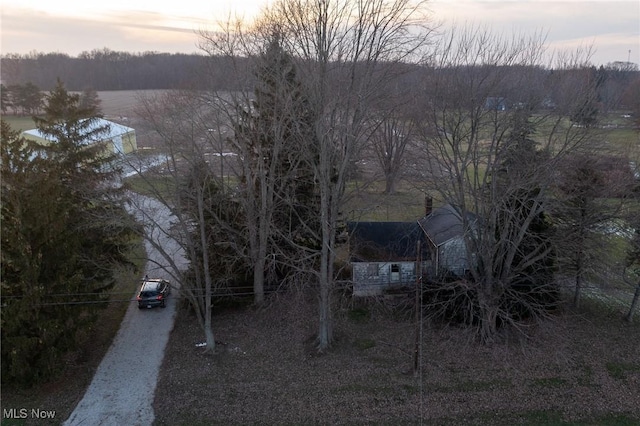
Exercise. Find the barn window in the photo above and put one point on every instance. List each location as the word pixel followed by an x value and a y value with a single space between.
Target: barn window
pixel 395 272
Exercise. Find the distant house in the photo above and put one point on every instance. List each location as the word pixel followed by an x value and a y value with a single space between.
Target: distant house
pixel 496 103
pixel 117 139
pixel 383 255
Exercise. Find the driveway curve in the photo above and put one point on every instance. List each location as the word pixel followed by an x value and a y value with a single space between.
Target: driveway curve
pixel 123 387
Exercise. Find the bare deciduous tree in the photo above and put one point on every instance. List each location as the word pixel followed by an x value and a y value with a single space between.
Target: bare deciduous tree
pixel 346 51
pixel 591 194
pixel 270 119
pixel 183 184
pixel 490 149
pixel 390 142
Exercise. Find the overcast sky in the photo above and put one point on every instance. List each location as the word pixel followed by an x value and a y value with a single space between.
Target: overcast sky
pixel 72 26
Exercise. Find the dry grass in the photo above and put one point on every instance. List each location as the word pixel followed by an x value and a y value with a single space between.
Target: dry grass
pixel 121 104
pixel 267 372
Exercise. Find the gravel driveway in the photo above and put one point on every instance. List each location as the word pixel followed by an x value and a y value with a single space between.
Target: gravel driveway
pixel 123 388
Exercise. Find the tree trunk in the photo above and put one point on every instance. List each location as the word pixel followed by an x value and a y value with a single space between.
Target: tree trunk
pixel 488 313
pixel 390 184
pixel 577 291
pixel 257 230
pixel 258 278
pixel 634 304
pixel 208 331
pixel 579 261
pixel 325 330
pixel 264 223
pixel 489 326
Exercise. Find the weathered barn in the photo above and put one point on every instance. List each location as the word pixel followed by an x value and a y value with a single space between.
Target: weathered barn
pixel 117 139
pixel 383 255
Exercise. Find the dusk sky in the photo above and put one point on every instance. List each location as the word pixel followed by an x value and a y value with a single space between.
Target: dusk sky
pixel 70 26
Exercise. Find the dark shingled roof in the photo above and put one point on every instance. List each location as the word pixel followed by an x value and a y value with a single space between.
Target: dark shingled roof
pixel 396 241
pixel 443 224
pixel 383 241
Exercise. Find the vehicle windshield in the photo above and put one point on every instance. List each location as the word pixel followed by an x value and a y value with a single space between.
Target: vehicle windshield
pixel 150 286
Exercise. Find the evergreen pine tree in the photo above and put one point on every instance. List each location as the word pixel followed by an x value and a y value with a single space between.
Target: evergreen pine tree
pixel 281 110
pixel 532 286
pixel 63 233
pixel 281 116
pixel 90 101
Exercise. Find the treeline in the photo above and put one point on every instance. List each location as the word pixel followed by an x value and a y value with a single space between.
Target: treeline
pixel 21 99
pixel 28 99
pixel 105 69
pixel 617 83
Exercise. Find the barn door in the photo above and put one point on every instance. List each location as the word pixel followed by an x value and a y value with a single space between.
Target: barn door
pixel 395 272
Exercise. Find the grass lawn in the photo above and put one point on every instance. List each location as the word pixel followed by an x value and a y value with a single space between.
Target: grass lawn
pixel 152 186
pixel 623 142
pixel 370 203
pixel 19 123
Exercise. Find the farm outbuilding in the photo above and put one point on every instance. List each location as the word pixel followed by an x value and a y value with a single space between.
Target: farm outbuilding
pixel 117 139
pixel 383 255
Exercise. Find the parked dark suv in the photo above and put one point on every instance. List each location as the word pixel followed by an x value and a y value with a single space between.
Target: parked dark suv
pixel 153 292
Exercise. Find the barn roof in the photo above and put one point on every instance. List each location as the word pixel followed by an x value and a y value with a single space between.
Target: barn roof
pixel 113 130
pixel 383 241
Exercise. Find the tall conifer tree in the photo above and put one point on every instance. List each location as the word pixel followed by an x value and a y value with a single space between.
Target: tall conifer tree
pixel 63 233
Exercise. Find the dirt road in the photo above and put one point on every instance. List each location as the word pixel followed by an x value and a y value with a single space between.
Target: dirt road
pixel 123 388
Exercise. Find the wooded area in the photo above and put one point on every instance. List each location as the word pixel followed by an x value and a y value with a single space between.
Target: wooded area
pixel 475 119
pixel 103 69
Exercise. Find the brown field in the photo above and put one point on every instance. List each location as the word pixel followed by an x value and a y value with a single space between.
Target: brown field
pixel 579 368
pixel 120 104
pixel 116 105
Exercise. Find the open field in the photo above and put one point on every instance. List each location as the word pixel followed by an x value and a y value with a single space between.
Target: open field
pixel 116 105
pixel 120 105
pixel 18 122
pixel 581 368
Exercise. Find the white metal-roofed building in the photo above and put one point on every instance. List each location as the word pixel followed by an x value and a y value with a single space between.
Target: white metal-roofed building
pixel 117 139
